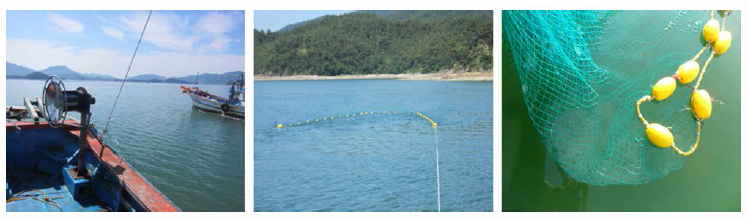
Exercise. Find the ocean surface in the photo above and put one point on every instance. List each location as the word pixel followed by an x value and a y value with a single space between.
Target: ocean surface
pixel 374 162
pixel 709 180
pixel 194 158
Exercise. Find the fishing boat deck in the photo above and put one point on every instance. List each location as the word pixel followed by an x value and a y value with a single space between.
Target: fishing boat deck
pixel 58 194
pixel 40 163
pixel 33 174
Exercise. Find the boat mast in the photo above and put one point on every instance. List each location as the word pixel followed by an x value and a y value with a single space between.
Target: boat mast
pixel 197 74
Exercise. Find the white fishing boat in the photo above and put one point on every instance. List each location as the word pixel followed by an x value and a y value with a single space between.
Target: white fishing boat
pixel 232 106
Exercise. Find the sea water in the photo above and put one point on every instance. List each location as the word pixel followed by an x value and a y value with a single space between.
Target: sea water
pixel 374 162
pixel 710 179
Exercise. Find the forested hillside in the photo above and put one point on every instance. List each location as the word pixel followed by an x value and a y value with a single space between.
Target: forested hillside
pixel 378 42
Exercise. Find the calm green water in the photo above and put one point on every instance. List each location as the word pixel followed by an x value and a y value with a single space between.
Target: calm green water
pixel 196 159
pixel 710 180
pixel 381 162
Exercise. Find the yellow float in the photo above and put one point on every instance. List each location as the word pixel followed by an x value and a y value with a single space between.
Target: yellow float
pixel 723 42
pixel 702 105
pixel 710 32
pixel 688 71
pixel 659 135
pixel 664 88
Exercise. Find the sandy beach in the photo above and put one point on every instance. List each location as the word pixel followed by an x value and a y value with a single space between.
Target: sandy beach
pixel 468 76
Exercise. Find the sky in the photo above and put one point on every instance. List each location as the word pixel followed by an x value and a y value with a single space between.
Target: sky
pixel 277 19
pixel 176 43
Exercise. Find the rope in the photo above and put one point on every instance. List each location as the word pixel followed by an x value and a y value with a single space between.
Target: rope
pixel 637 106
pixel 126 74
pixel 44 199
pixel 437 152
pixel 696 87
pixel 365 113
pixel 699 79
pixel 700 53
pixel 694 146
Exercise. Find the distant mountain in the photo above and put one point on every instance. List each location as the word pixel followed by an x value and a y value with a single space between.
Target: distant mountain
pixel 37 75
pixel 66 73
pixel 379 42
pixel 174 80
pixel 212 78
pixel 146 77
pixel 99 77
pixel 16 70
pixel 294 25
pixel 63 72
pixel 399 15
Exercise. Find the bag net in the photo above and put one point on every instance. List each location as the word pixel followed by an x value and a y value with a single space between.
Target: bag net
pixel 581 73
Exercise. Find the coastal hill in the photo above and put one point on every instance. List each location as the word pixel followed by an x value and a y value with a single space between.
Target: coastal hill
pixel 15 71
pixel 378 42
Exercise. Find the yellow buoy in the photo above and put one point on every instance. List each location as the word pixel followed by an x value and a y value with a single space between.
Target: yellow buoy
pixel 688 71
pixel 710 31
pixel 659 135
pixel 723 42
pixel 702 104
pixel 317 120
pixel 297 123
pixel 307 121
pixel 434 125
pixel 279 126
pixel 664 88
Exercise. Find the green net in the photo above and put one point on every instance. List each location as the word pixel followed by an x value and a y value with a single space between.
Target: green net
pixel 581 73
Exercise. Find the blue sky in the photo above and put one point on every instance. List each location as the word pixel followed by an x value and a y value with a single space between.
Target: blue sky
pixel 277 19
pixel 176 43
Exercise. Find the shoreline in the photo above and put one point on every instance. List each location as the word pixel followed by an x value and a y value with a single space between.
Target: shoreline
pixel 467 76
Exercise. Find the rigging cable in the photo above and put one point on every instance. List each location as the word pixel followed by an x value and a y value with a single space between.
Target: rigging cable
pixel 126 74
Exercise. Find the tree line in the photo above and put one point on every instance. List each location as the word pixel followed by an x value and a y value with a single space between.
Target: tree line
pixel 387 42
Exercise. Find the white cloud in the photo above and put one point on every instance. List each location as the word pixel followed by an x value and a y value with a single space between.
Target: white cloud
pixel 175 32
pixel 164 30
pixel 42 54
pixel 216 25
pixel 113 32
pixel 66 24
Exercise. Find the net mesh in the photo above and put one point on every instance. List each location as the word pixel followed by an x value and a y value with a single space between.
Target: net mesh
pixel 581 73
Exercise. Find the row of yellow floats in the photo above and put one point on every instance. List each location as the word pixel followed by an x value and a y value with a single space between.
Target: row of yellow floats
pixel 701 103
pixel 279 126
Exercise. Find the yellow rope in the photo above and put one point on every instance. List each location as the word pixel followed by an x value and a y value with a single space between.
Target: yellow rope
pixel 44 199
pixel 700 53
pixel 637 106
pixel 712 54
pixel 694 146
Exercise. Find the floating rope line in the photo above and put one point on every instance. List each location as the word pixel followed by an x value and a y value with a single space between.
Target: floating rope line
pixel 434 125
pixel 701 102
